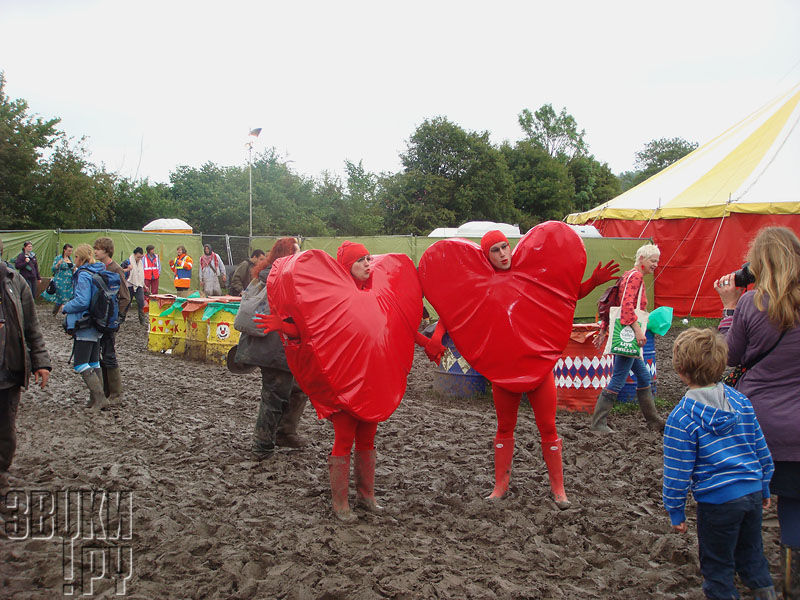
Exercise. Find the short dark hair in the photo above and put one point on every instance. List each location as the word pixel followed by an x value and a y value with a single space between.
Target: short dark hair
pixel 257 252
pixel 150 247
pixel 138 250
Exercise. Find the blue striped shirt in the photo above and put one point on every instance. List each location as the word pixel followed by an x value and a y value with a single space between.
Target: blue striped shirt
pixel 719 454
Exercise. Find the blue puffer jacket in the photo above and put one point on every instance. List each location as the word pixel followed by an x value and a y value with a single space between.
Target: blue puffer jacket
pixel 78 307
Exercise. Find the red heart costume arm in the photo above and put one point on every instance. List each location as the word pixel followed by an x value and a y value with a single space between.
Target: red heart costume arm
pixel 513 325
pixel 601 274
pixel 355 347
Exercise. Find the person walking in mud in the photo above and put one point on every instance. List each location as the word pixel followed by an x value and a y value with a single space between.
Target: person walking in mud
pixel 632 287
pixel 351 426
pixel 22 354
pixel 28 266
pixel 282 401
pixel 112 377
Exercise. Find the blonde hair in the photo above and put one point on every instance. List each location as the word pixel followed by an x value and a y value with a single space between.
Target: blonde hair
pixel 84 254
pixel 700 355
pixel 645 252
pixel 775 263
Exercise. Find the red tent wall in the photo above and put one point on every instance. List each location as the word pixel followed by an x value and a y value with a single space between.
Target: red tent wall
pixel 686 245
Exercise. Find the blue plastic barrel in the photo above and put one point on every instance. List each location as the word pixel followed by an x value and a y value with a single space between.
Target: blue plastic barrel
pixel 628 391
pixel 455 377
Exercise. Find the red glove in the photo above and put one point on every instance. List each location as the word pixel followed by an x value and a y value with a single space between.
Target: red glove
pixel 275 323
pixel 601 274
pixel 434 350
pixel 433 346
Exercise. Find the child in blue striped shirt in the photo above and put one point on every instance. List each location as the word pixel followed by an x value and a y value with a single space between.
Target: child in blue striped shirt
pixel 714 446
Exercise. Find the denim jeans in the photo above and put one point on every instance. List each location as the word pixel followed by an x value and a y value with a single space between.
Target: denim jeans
pixel 624 365
pixel 729 540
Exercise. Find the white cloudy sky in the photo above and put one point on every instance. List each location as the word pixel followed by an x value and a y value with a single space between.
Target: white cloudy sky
pixel 154 84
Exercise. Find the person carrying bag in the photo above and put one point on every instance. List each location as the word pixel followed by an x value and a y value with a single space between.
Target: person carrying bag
pixel 622 338
pixel 626 338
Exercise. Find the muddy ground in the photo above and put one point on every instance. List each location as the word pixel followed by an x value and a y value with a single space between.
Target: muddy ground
pixel 209 521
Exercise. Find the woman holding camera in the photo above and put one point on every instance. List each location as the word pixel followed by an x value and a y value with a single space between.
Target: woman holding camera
pixel 762 327
pixel 28 266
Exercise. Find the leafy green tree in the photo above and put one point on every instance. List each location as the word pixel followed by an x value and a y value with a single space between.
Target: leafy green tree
pixel 594 183
pixel 556 134
pixel 457 175
pixel 656 156
pixel 23 141
pixel 411 203
pixel 71 192
pixel 542 186
pixel 138 203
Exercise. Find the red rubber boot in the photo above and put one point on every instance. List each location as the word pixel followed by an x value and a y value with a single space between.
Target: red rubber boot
pixel 364 471
pixel 339 469
pixel 551 452
pixel 503 456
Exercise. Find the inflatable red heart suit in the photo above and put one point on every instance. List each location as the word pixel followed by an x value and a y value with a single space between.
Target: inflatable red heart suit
pixel 511 326
pixel 356 346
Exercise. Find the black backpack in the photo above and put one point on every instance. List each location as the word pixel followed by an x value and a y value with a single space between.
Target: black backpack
pixel 104 307
pixel 103 313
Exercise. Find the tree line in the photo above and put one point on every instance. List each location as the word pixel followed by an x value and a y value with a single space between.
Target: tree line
pixel 449 175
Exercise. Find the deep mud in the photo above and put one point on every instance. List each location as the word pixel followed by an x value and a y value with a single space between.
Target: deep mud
pixel 209 521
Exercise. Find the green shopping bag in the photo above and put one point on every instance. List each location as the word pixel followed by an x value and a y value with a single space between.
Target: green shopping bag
pixel 622 338
pixel 660 320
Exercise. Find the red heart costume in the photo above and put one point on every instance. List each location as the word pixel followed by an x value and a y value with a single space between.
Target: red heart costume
pixel 356 346
pixel 511 326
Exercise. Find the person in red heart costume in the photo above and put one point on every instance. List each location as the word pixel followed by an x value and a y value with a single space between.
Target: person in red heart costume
pixel 542 397
pixel 349 423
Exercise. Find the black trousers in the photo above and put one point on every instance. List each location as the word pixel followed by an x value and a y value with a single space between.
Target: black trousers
pixel 9 403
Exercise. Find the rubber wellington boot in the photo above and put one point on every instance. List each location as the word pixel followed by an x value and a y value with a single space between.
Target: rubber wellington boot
pixel 605 402
pixel 364 471
pixel 551 452
pixel 648 405
pixel 503 456
pixel 97 399
pixel 286 436
pixel 114 386
pixel 339 469
pixel 790 572
pixel 766 593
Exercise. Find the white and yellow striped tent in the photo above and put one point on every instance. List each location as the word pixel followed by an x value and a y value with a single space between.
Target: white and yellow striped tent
pixel 704 210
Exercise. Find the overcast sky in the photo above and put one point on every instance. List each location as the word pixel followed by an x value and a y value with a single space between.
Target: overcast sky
pixel 157 84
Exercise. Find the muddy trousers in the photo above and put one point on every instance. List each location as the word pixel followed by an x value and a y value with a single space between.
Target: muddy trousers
pixel 9 403
pixel 276 387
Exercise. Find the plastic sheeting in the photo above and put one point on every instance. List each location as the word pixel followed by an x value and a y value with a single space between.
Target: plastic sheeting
pixel 687 245
pixel 511 326
pixel 356 346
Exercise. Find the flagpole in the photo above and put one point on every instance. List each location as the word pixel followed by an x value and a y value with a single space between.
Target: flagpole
pixel 254 133
pixel 250 172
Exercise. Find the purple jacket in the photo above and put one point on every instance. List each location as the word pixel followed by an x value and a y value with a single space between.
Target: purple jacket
pixel 28 269
pixel 772 385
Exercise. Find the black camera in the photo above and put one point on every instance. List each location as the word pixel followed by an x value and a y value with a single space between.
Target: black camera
pixel 743 277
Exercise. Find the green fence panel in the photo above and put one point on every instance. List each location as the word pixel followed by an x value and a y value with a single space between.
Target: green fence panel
pixel 45 246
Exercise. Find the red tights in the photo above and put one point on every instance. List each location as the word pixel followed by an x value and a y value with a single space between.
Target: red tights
pixel 347 428
pixel 543 403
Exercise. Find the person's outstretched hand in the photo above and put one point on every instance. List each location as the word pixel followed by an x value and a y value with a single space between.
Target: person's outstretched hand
pixel 605 272
pixel 275 323
pixel 601 274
